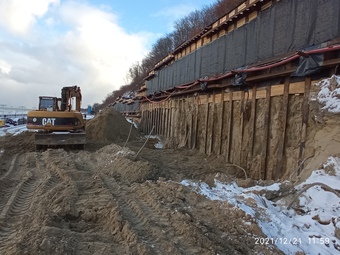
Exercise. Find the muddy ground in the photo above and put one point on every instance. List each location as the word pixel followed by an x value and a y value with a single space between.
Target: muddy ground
pixel 108 200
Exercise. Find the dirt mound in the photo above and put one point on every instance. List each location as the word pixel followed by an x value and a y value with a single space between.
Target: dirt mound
pixel 115 161
pixel 20 143
pixel 110 126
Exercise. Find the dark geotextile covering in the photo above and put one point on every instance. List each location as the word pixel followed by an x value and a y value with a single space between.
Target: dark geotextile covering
pixel 285 27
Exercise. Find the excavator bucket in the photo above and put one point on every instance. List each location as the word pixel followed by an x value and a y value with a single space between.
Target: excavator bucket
pixel 60 140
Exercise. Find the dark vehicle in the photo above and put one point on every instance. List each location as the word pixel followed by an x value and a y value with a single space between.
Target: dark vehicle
pixel 12 122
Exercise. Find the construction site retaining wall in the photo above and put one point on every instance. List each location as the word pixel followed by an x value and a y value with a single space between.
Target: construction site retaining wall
pixel 262 130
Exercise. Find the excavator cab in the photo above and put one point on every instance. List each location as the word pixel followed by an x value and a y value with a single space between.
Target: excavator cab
pixel 49 103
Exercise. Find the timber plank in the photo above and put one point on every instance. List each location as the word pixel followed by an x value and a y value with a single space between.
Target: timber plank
pixel 264 175
pixel 252 129
pixel 206 125
pixel 221 124
pixel 229 126
pixel 195 123
pixel 283 118
pixel 242 147
pixel 305 115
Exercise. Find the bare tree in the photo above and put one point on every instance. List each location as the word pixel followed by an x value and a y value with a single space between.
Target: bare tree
pixel 184 29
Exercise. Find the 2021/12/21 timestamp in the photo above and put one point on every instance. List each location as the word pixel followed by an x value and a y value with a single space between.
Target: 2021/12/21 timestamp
pixel 278 240
pixel 318 240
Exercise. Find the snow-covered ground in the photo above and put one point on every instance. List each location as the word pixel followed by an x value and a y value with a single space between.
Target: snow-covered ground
pixel 311 229
pixel 13 129
pixel 159 144
pixel 329 95
pixel 21 128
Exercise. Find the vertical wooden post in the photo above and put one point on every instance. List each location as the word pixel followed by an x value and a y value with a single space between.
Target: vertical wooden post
pixel 206 126
pixel 170 120
pixel 164 118
pixel 252 127
pixel 151 117
pixel 141 126
pixel 146 118
pixel 221 124
pixel 184 120
pixel 179 118
pixel 230 126
pixel 210 127
pixel 191 102
pixel 145 111
pixel 195 121
pixel 161 121
pixel 146 121
pixel 242 147
pixel 283 118
pixel 305 115
pixel 173 111
pixel 265 142
pixel 167 123
pixel 156 120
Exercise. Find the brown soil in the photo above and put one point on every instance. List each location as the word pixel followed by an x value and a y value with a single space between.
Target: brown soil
pixel 107 200
pixel 110 126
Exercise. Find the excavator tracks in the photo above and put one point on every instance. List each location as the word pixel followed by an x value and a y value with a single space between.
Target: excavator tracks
pixel 15 203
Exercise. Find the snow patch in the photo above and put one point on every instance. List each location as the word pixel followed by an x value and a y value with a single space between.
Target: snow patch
pixel 311 231
pixel 131 121
pixel 159 144
pixel 14 130
pixel 329 95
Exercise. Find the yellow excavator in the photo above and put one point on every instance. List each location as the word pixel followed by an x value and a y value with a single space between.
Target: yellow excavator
pixel 58 121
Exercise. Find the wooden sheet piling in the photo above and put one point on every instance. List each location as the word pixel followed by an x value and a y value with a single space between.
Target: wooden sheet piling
pixel 283 118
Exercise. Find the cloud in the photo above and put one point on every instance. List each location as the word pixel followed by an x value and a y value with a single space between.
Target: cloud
pixel 175 12
pixel 18 16
pixel 75 43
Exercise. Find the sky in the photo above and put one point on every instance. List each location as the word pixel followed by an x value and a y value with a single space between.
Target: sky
pixel 48 44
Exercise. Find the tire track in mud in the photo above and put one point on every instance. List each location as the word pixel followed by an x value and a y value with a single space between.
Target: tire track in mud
pixel 90 227
pixel 5 186
pixel 8 174
pixel 176 226
pixel 15 208
pixel 4 198
pixel 145 221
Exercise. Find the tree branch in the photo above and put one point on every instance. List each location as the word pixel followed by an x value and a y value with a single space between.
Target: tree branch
pixel 322 185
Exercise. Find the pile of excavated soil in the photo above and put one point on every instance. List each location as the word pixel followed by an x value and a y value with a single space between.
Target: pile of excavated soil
pixel 20 143
pixel 110 126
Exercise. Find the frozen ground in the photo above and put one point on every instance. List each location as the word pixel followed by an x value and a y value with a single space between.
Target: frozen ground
pixel 309 227
pixel 14 130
